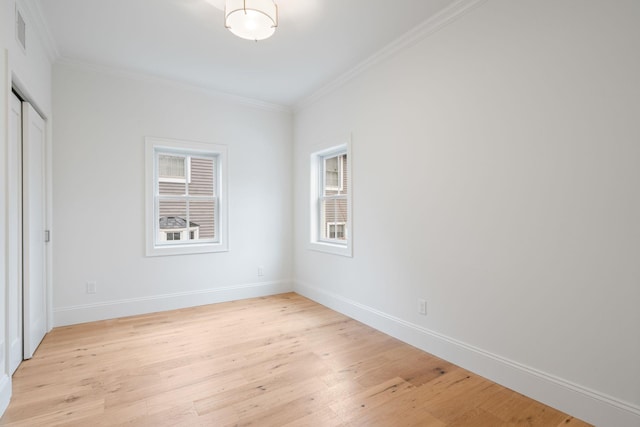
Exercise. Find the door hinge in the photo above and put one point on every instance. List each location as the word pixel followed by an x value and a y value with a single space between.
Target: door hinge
pixel 47 236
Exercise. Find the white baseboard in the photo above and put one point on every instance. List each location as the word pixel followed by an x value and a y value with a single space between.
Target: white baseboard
pixel 130 307
pixel 5 393
pixel 580 402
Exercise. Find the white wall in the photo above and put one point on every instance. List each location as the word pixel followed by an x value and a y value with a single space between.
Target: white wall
pixel 30 71
pixel 495 174
pixel 102 118
pixel 5 382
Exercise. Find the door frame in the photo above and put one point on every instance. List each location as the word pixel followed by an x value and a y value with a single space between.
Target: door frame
pixel 14 255
pixel 23 93
pixel 35 294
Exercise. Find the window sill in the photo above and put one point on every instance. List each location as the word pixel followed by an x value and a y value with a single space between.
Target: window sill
pixel 186 249
pixel 330 248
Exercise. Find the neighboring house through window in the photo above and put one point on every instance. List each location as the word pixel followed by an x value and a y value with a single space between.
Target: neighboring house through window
pixel 186 197
pixel 175 228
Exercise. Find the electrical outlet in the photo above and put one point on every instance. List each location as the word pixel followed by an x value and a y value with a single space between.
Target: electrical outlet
pixel 91 287
pixel 422 307
pixel 260 271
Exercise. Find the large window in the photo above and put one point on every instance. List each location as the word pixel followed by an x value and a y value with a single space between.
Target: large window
pixel 186 197
pixel 331 224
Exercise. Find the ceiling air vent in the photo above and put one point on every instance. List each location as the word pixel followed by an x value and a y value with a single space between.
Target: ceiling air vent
pixel 21 30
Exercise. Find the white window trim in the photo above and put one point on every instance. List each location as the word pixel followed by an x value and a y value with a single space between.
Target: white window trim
pixel 316 243
pixel 220 151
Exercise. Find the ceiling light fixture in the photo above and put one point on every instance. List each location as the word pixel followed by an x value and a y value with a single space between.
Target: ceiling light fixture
pixel 251 19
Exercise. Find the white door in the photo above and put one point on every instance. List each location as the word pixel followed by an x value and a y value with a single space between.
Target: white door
pixel 33 240
pixel 14 235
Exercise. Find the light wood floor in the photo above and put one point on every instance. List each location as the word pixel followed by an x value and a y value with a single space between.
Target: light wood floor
pixel 275 361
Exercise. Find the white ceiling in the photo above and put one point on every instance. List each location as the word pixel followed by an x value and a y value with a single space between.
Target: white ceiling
pixel 185 40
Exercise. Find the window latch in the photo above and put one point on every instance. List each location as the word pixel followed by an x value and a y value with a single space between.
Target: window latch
pixel 47 236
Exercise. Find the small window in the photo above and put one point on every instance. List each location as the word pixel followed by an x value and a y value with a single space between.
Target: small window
pixel 333 198
pixel 186 197
pixel 333 172
pixel 173 168
pixel 336 230
pixel 331 220
pixel 172 235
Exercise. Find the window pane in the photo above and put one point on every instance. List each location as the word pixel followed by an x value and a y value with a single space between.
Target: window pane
pixel 172 219
pixel 333 219
pixel 331 173
pixel 171 188
pixel 171 166
pixel 202 177
pixel 327 217
pixel 202 218
pixel 335 175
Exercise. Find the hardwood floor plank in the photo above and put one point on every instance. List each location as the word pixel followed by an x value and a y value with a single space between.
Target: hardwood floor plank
pixel 324 417
pixel 127 414
pixel 569 421
pixel 351 407
pixel 478 417
pixel 272 361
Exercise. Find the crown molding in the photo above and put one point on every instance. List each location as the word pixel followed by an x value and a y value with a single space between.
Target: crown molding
pixel 34 13
pixel 140 75
pixel 427 28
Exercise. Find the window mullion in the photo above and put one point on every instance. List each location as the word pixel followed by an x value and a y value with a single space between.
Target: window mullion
pixel 321 202
pixel 156 194
pixel 335 219
pixel 340 175
pixel 187 192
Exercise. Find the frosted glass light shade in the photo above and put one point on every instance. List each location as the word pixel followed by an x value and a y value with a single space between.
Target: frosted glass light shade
pixel 251 19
